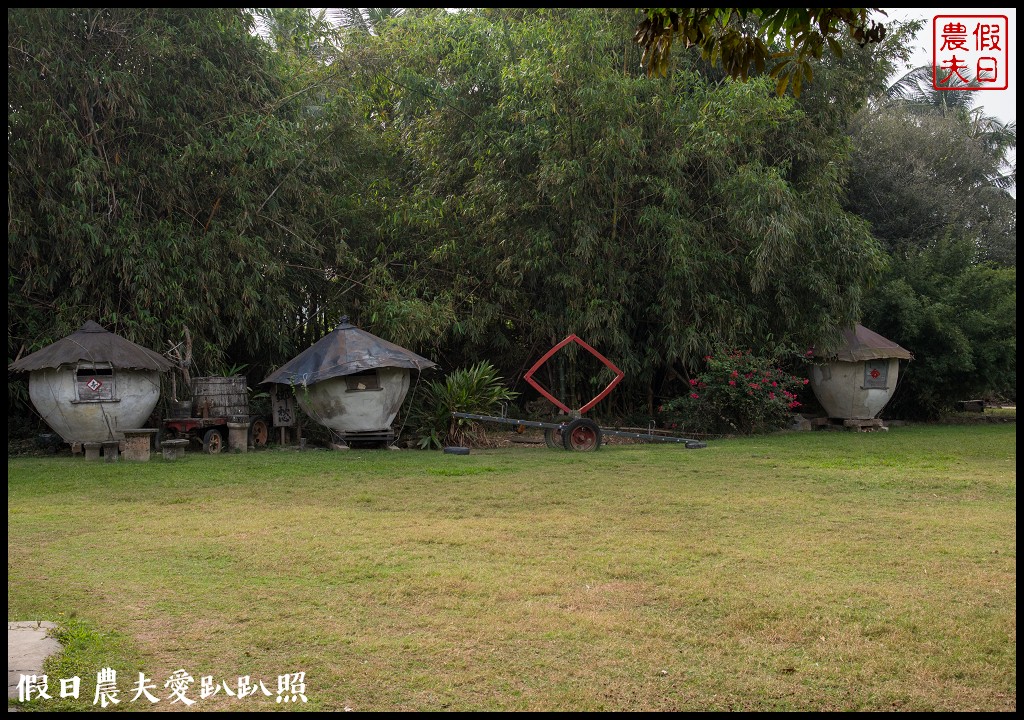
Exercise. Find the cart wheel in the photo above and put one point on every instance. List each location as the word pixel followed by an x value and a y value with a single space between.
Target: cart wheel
pixel 553 438
pixel 582 435
pixel 213 441
pixel 259 433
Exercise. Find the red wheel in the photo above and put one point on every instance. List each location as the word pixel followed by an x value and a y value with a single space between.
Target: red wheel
pixel 213 441
pixel 259 433
pixel 553 438
pixel 582 435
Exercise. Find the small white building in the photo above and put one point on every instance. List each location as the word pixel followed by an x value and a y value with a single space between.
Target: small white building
pixel 351 381
pixel 859 378
pixel 93 385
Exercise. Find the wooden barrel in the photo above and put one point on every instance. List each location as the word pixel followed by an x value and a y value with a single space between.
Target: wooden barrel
pixel 220 396
pixel 181 408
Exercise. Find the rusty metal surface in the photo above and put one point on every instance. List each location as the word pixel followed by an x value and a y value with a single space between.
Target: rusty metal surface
pixel 344 351
pixel 529 377
pixel 861 344
pixel 92 343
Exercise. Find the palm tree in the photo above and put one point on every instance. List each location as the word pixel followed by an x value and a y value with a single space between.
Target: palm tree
pixel 365 20
pixel 295 31
pixel 915 93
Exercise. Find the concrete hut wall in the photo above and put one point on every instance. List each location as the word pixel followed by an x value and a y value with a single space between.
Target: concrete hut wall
pixel 55 397
pixel 839 387
pixel 332 404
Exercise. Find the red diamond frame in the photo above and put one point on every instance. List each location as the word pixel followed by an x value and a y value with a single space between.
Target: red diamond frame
pixel 528 377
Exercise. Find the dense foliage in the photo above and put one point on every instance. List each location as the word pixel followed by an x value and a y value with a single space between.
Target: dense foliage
pixel 941 206
pixel 549 187
pixel 162 174
pixel 741 39
pixel 477 185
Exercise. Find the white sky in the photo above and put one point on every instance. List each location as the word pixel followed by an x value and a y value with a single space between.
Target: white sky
pixel 999 103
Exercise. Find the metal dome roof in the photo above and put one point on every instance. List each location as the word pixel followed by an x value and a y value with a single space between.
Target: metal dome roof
pixel 344 351
pixel 92 343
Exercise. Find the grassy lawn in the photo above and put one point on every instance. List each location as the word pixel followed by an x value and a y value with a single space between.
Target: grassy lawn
pixel 800 571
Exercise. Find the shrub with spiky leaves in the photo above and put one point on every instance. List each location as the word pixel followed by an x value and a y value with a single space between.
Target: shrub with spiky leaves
pixel 477 389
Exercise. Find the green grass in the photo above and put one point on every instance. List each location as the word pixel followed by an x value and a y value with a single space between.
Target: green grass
pixel 799 571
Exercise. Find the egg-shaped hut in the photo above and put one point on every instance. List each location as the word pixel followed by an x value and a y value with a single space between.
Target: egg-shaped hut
pixel 858 379
pixel 93 384
pixel 351 381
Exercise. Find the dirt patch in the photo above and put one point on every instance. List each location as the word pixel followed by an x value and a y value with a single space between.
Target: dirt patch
pixel 976 419
pixel 44 445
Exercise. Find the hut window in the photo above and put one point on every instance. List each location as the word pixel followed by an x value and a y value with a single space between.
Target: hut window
pixel 94 382
pixel 362 381
pixel 875 373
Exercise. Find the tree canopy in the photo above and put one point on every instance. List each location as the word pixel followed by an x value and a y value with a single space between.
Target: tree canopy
pixel 164 173
pixel 744 40
pixel 941 206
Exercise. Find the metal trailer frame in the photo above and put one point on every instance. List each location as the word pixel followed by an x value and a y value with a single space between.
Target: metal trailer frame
pixel 212 432
pixel 582 434
pixel 577 433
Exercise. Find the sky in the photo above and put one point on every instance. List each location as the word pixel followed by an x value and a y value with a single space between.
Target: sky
pixel 999 103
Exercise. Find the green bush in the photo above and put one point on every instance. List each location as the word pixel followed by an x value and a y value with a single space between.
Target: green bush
pixel 959 319
pixel 476 389
pixel 738 392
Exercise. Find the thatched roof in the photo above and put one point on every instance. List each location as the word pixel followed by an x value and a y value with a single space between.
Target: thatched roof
pixel 861 344
pixel 344 351
pixel 92 343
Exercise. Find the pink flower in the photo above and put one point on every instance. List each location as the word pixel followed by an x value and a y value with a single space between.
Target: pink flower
pixel 806 381
pixel 755 386
pixel 733 383
pixel 694 395
pixel 771 396
pixel 774 384
pixel 693 381
pixel 735 373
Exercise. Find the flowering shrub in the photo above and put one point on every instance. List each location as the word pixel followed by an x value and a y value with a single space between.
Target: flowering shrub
pixel 737 392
